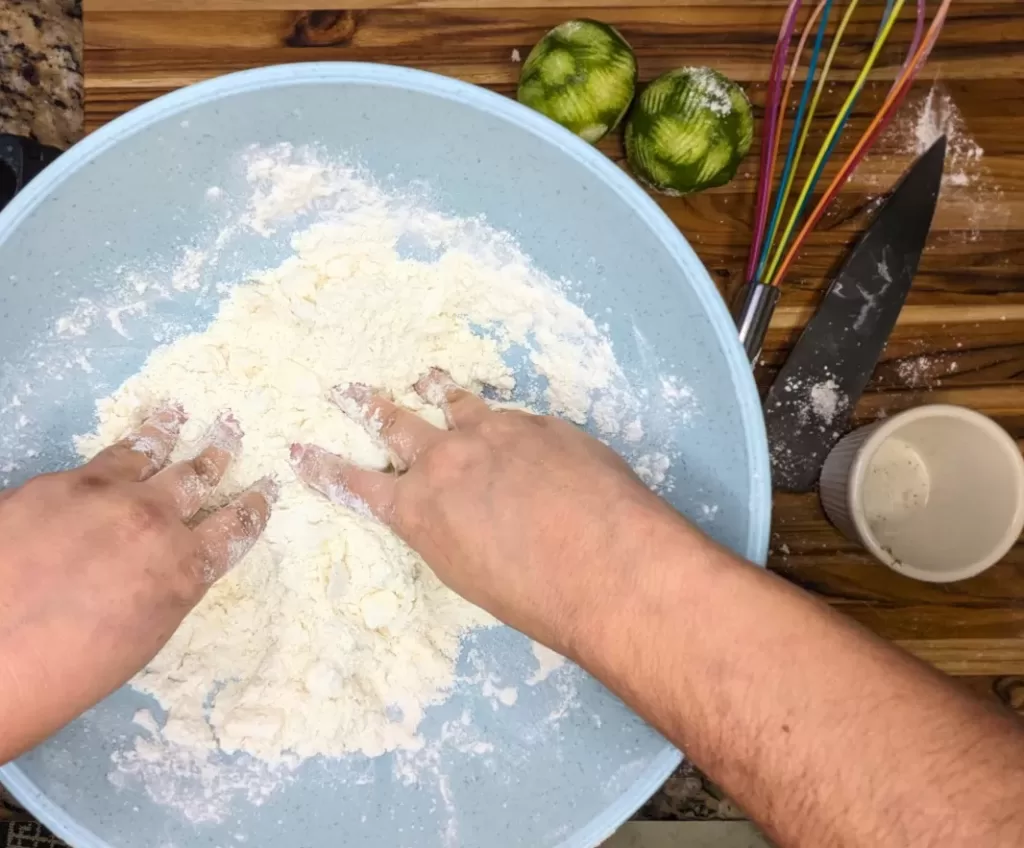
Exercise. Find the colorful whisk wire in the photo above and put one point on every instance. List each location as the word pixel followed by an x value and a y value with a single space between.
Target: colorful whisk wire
pixel 775 245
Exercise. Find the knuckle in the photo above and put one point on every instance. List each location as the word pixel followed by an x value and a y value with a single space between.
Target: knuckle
pixel 44 486
pixel 140 516
pixel 451 458
pixel 48 492
pixel 88 482
pixel 206 469
pixel 188 583
pixel 250 522
pixel 494 428
pixel 390 419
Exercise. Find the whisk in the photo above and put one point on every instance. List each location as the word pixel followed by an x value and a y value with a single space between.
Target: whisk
pixel 776 244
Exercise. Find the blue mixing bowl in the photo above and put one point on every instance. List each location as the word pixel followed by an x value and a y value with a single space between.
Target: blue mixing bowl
pixel 132 195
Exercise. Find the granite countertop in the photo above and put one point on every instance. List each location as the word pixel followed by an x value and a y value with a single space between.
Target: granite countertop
pixel 41 70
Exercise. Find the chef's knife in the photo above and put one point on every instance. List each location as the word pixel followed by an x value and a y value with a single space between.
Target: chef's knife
pixel 813 396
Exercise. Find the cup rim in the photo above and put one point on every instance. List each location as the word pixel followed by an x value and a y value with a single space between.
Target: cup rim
pixel 886 429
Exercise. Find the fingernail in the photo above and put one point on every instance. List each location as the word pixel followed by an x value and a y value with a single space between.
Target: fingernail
pixel 434 386
pixel 168 419
pixel 296 453
pixel 269 488
pixel 225 433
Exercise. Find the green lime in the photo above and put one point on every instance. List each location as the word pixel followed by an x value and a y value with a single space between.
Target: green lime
pixel 689 131
pixel 582 74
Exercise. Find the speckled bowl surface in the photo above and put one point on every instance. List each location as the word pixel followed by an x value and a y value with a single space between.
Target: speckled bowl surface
pixel 567 763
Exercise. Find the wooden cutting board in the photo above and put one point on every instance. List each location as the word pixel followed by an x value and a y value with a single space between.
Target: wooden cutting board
pixel 960 338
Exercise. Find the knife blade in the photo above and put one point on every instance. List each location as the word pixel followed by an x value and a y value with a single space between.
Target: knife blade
pixel 810 403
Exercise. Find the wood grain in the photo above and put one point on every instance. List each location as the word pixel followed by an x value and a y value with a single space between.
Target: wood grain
pixel 960 338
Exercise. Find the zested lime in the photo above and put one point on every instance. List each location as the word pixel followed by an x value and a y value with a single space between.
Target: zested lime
pixel 689 131
pixel 582 74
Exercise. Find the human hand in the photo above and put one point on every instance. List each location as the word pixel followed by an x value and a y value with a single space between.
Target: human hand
pixel 524 515
pixel 99 567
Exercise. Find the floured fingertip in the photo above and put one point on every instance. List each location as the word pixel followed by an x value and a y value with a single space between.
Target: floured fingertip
pixel 354 408
pixel 268 488
pixel 225 434
pixel 357 401
pixel 435 387
pixel 358 392
pixel 310 464
pixel 167 419
pixel 304 459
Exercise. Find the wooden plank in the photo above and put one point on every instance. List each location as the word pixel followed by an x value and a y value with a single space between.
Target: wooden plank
pixel 92 6
pixel 652 28
pixel 963 657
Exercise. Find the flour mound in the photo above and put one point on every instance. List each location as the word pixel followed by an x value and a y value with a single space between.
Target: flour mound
pixel 332 636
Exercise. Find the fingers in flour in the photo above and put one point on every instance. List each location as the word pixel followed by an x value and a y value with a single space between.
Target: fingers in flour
pixel 225 536
pixel 142 453
pixel 461 408
pixel 366 492
pixel 189 483
pixel 405 433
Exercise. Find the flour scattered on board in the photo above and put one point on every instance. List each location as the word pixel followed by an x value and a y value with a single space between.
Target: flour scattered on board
pixel 939 115
pixel 925 372
pixel 969 196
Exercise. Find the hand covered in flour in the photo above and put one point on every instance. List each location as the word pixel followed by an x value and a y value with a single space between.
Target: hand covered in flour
pixel 524 515
pixel 99 566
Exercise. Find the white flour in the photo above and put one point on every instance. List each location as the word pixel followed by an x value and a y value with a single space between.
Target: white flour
pixel 939 115
pixel 826 400
pixel 925 372
pixel 818 405
pixel 970 201
pixel 332 636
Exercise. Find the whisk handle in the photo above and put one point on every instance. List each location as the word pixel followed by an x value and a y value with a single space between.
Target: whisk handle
pixel 753 314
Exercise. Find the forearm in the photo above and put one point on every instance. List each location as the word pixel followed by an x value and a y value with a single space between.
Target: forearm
pixel 823 733
pixel 23 715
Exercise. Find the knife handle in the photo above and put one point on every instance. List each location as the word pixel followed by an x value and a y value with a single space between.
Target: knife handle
pixel 754 314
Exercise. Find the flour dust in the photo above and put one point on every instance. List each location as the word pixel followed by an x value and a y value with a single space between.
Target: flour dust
pixel 970 201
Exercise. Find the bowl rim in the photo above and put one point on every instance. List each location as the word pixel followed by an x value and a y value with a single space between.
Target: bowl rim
pixel 603 169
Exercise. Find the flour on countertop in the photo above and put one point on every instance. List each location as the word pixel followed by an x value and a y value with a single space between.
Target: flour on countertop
pixel 332 637
pixel 925 372
pixel 969 195
pixel 939 115
pixel 917 126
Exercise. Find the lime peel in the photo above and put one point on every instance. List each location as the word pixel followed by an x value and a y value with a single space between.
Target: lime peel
pixel 689 131
pixel 582 74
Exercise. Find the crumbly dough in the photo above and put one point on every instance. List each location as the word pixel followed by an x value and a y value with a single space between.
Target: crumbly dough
pixel 332 636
